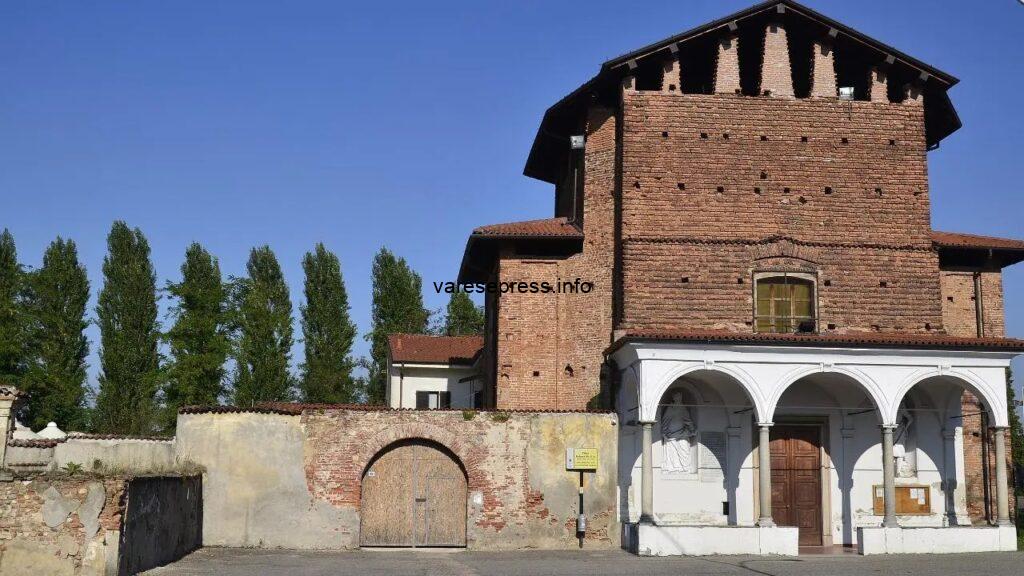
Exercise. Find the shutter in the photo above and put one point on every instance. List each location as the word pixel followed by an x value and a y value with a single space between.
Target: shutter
pixel 422 400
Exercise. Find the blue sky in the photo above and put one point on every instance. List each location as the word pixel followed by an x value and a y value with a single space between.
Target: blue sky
pixel 403 124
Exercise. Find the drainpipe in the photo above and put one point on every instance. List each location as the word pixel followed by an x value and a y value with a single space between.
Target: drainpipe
pixel 401 384
pixel 979 308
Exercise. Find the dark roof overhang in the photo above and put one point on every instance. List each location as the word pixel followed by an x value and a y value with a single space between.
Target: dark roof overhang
pixel 551 144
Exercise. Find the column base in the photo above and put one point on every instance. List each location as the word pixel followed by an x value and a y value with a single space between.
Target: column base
pixel 765 523
pixel 890 524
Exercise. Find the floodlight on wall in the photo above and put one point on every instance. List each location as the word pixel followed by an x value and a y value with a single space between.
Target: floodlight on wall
pixel 577 142
pixel 846 92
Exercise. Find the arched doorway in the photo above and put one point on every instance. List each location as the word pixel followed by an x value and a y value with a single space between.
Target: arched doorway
pixel 413 495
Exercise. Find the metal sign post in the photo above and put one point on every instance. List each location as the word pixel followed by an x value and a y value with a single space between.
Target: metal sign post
pixel 581 460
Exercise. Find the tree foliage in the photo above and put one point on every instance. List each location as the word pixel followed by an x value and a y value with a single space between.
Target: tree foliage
pixel 12 317
pixel 198 341
pixel 327 330
pixel 58 294
pixel 397 308
pixel 129 336
pixel 463 317
pixel 264 325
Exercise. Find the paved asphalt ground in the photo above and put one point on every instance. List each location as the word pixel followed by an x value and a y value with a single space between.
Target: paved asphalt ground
pixel 235 562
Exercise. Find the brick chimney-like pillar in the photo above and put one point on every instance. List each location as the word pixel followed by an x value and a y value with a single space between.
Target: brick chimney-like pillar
pixel 727 70
pixel 776 76
pixel 913 94
pixel 670 78
pixel 879 86
pixel 823 76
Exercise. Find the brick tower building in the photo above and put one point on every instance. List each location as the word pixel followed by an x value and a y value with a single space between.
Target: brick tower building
pixel 748 204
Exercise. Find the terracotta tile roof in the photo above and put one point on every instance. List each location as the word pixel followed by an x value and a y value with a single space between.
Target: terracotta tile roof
pixel 428 349
pixel 85 436
pixel 235 410
pixel 865 339
pixel 958 240
pixel 546 228
pixel 35 443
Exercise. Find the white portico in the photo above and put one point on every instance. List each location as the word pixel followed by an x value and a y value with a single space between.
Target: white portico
pixel 864 432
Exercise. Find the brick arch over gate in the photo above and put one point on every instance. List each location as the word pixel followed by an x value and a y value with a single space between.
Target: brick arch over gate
pixel 467 457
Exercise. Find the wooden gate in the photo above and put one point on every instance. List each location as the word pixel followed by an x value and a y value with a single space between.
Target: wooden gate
pixel 796 480
pixel 414 494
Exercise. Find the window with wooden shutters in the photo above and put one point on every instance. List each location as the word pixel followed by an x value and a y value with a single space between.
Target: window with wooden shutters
pixel 785 303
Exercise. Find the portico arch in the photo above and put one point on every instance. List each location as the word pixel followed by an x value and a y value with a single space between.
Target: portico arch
pixel 853 377
pixel 739 377
pixel 993 401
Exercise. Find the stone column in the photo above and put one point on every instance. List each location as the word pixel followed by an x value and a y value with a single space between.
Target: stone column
pixel 764 474
pixel 888 478
pixel 1002 498
pixel 647 476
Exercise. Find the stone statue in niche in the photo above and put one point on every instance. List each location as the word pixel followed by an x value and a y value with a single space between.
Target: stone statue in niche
pixel 904 445
pixel 677 435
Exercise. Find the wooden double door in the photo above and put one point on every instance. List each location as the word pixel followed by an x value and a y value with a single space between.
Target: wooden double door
pixel 414 494
pixel 796 480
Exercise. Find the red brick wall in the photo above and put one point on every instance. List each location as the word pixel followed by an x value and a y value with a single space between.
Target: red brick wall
pixel 960 317
pixel 514 464
pixel 708 180
pixel 549 347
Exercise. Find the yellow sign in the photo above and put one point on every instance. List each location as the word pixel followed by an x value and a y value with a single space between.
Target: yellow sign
pixel 581 459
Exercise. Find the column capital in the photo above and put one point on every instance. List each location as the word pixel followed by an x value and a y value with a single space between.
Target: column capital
pixel 888 426
pixel 999 427
pixel 765 424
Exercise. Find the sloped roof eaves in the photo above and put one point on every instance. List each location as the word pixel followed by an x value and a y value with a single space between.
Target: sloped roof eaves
pixel 975 241
pixel 429 349
pixel 868 340
pixel 543 228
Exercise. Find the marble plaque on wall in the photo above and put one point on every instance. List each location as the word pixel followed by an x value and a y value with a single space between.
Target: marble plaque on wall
pixel 712 456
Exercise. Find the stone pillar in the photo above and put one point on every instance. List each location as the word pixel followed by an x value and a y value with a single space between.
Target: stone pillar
pixel 823 76
pixel 8 396
pixel 1002 497
pixel 647 475
pixel 776 76
pixel 888 478
pixel 727 69
pixel 764 474
pixel 879 86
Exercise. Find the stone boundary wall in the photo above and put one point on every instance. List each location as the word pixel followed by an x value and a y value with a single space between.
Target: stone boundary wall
pixel 292 479
pixel 94 453
pixel 88 525
pixel 66 526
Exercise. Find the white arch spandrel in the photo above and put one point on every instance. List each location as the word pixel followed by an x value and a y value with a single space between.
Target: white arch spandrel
pixel 867 383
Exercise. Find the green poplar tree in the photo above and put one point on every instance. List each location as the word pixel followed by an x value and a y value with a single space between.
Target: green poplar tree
pixel 264 317
pixel 463 317
pixel 1016 429
pixel 12 318
pixel 129 335
pixel 327 330
pixel 397 308
pixel 198 341
pixel 56 303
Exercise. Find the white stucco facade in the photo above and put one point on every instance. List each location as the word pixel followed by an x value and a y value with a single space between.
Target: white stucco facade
pixel 406 379
pixel 728 392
